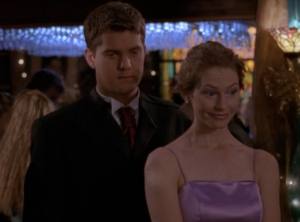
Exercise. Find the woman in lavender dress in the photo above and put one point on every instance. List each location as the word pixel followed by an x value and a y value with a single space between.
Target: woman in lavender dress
pixel 206 175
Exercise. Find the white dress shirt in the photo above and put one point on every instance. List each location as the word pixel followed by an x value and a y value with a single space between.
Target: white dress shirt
pixel 115 105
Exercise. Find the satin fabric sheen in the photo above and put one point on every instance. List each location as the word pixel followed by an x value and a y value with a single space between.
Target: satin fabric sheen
pixel 221 201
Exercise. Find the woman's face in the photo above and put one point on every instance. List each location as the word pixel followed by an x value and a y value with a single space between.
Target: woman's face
pixel 215 99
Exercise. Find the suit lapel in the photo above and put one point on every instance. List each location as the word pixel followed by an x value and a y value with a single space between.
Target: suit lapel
pixel 109 127
pixel 146 126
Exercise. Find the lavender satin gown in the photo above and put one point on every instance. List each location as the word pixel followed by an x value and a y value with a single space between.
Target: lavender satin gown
pixel 220 201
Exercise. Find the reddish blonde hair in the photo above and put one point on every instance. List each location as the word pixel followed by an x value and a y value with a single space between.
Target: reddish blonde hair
pixel 202 57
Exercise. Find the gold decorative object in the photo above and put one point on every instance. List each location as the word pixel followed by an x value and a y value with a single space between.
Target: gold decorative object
pixel 284 88
pixel 288 39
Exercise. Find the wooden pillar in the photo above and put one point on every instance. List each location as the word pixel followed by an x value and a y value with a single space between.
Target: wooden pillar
pixel 71 90
pixel 268 131
pixel 35 64
pixel 72 70
pixel 19 75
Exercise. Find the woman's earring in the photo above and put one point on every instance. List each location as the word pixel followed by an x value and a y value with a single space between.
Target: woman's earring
pixel 187 101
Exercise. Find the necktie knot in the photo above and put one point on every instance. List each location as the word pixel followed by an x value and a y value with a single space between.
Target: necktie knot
pixel 126 111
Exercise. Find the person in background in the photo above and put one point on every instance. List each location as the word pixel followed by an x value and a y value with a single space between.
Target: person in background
pixel 15 151
pixel 48 82
pixel 86 81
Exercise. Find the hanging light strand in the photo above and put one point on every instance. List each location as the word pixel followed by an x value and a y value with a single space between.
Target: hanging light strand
pixel 69 40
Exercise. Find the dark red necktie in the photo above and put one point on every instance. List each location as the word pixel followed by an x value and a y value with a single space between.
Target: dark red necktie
pixel 127 115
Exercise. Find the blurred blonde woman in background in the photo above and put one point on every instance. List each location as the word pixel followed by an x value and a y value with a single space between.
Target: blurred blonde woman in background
pixel 15 150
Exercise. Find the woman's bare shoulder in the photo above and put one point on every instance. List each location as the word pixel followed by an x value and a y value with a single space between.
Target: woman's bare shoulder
pixel 266 164
pixel 161 168
pixel 264 157
pixel 160 156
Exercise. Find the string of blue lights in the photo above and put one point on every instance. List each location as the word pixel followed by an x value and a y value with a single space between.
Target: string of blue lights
pixel 69 40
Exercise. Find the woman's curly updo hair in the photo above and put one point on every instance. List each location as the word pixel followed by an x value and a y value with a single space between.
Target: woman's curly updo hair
pixel 201 58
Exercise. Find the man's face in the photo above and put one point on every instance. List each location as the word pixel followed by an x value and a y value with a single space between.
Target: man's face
pixel 119 63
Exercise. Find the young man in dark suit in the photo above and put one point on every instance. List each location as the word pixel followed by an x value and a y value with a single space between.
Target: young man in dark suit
pixel 88 158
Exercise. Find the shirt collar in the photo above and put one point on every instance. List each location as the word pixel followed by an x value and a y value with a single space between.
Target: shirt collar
pixel 115 104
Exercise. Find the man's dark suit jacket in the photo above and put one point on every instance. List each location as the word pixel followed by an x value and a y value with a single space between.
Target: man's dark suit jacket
pixel 4 218
pixel 82 168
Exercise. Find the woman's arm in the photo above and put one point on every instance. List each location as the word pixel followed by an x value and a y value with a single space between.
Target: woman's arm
pixel 269 183
pixel 161 184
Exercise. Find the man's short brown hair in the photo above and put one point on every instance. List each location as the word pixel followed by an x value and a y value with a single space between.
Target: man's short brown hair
pixel 112 16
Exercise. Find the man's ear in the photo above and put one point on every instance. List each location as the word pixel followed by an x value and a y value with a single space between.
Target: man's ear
pixel 89 57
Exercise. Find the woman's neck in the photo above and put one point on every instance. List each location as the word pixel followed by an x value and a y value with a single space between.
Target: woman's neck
pixel 204 137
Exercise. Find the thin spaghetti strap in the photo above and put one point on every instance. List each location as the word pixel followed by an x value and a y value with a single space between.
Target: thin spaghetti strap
pixel 172 151
pixel 254 165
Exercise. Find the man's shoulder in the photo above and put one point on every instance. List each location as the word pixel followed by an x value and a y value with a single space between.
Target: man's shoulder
pixel 153 100
pixel 68 112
